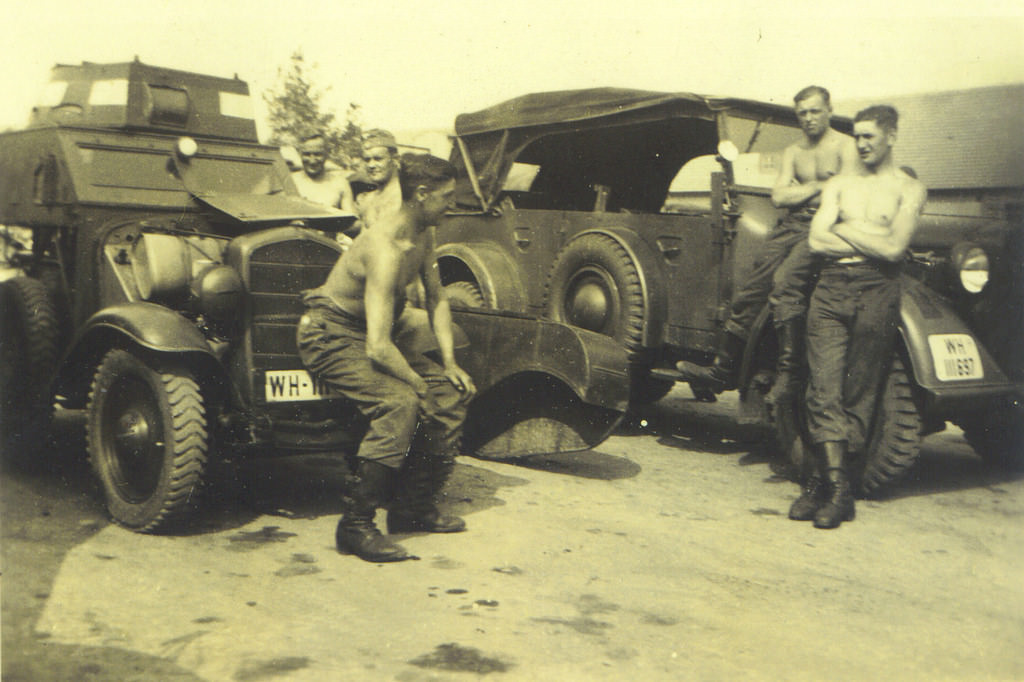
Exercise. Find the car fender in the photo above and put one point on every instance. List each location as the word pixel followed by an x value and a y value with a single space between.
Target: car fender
pixel 518 410
pixel 649 271
pixel 145 326
pixel 927 323
pixel 492 270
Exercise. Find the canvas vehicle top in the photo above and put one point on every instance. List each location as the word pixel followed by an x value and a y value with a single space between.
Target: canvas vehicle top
pixel 160 294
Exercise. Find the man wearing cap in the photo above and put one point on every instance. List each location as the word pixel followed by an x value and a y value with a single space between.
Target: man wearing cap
pixel 380 158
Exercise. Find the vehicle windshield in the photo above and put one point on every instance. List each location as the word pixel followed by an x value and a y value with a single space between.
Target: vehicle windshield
pixel 759 135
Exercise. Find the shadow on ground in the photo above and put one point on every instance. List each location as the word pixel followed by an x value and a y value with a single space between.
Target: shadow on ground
pixel 680 421
pixel 948 464
pixel 585 464
pixel 49 505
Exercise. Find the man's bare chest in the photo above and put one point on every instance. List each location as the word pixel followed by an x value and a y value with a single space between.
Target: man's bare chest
pixel 816 164
pixel 871 200
pixel 410 264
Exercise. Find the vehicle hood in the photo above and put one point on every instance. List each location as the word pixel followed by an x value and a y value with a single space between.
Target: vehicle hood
pixel 276 209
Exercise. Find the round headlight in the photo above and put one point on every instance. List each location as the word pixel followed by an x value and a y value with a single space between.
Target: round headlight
pixel 972 267
pixel 160 264
pixel 186 147
pixel 219 290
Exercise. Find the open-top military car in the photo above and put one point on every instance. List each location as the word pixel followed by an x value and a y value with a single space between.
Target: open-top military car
pixel 161 295
pixel 636 214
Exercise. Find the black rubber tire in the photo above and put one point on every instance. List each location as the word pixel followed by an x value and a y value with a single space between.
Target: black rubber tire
pixel 53 280
pixel 595 285
pixel 465 295
pixel 28 358
pixel 998 435
pixel 894 444
pixel 645 389
pixel 596 269
pixel 147 440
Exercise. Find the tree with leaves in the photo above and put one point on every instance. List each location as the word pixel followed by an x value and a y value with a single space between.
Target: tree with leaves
pixel 296 112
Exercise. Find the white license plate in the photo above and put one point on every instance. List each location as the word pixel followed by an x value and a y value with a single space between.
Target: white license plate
pixel 956 357
pixel 293 385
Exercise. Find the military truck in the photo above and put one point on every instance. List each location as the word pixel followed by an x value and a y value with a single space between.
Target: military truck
pixel 161 294
pixel 635 214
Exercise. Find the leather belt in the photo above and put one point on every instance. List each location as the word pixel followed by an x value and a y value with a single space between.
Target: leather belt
pixel 851 260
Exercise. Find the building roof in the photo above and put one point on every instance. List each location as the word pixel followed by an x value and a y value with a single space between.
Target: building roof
pixel 960 139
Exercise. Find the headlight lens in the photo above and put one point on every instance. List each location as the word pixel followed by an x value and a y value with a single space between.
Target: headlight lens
pixel 973 267
pixel 220 292
pixel 160 264
pixel 186 147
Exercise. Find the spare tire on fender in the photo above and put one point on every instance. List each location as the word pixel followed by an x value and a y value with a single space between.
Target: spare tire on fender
pixel 595 285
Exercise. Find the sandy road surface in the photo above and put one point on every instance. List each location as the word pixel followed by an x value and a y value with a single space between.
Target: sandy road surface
pixel 663 555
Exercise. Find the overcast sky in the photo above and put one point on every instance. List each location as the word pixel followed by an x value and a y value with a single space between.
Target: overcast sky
pixel 416 64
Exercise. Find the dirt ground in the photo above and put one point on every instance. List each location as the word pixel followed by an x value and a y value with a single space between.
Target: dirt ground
pixel 664 554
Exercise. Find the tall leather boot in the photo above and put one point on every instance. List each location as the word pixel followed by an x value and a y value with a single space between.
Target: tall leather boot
pixel 415 508
pixel 788 374
pixel 813 491
pixel 839 506
pixel 356 533
pixel 721 374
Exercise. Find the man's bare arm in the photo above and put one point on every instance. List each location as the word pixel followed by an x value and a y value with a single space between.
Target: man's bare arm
pixel 893 245
pixel 441 319
pixel 437 303
pixel 345 201
pixel 821 238
pixel 379 301
pixel 787 191
pixel 849 158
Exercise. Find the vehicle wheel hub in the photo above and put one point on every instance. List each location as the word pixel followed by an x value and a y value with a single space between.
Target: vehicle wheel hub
pixel 589 301
pixel 133 433
pixel 134 439
pixel 588 306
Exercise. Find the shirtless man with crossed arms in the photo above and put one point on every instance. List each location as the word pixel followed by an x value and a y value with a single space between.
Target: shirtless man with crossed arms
pixel 862 229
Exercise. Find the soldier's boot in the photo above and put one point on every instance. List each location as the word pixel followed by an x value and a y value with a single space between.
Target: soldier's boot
pixel 839 506
pixel 720 375
pixel 813 496
pixel 790 335
pixel 357 533
pixel 814 493
pixel 415 506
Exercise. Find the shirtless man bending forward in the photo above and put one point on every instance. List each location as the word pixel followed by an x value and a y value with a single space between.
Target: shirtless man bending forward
pixel 358 336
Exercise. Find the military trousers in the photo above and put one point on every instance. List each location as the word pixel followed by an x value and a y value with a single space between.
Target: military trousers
pixel 852 327
pixel 332 346
pixel 782 276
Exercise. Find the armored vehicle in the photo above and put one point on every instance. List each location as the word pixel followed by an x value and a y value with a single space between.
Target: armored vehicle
pixel 635 214
pixel 161 294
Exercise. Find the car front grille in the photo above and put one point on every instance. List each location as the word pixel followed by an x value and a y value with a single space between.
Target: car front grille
pixel 277 274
